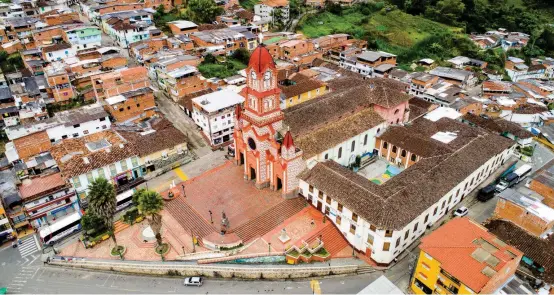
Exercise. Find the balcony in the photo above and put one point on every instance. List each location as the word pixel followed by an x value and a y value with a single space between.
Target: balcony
pixel 119 188
pixel 450 289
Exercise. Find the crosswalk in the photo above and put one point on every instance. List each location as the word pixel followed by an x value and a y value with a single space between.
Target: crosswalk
pixel 20 279
pixel 28 245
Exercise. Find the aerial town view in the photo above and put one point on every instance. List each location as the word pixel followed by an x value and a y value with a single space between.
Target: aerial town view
pixel 277 147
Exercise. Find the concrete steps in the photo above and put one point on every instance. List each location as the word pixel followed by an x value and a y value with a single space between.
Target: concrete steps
pixel 269 219
pixel 119 226
pixel 189 219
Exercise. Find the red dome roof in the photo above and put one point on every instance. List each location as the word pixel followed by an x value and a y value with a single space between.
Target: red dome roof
pixel 261 60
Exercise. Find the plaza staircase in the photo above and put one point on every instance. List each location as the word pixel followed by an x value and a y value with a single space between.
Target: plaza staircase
pixel 188 218
pixel 332 238
pixel 119 226
pixel 269 219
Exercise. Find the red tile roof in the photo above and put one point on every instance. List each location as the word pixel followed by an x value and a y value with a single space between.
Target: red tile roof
pixel 453 245
pixel 40 185
pixel 261 60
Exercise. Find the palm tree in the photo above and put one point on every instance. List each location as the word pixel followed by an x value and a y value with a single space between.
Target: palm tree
pixel 103 203
pixel 150 203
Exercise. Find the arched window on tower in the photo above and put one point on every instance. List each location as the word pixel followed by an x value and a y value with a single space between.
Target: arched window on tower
pixel 253 80
pixel 253 103
pixel 267 80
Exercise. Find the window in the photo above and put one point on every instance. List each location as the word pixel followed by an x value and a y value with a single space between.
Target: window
pixel 320 194
pixel 352 229
pixel 403 153
pixel 443 203
pixel 64 136
pixel 124 165
pixel 134 161
pixel 406 234
pixel 354 217
pixel 365 139
pixel 340 152
pixel 76 125
pixel 415 227
pixel 435 211
pixel 414 158
pixel 75 134
pixel 339 207
pixel 138 105
pixel 397 243
pixel 385 145
pixel 426 219
pixel 328 200
pixel 396 112
pixel 76 182
pixel 394 149
pixel 388 233
pixel 327 210
pixel 370 239
pixel 386 246
pixel 101 173
pixel 338 220
pixel 89 177
pixel 113 171
pixel 311 189
pixel 353 146
pixel 372 227
pixel 326 156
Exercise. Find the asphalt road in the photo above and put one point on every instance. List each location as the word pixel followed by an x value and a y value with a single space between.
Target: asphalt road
pixel 32 276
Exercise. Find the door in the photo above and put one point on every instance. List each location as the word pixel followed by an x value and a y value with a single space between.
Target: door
pixel 241 159
pixel 279 183
pixel 252 173
pixel 319 205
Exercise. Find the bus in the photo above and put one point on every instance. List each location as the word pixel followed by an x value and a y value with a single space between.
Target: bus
pixel 124 200
pixel 68 225
pixel 514 178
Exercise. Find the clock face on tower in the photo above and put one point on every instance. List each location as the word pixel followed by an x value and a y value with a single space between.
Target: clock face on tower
pixel 267 76
pixel 253 74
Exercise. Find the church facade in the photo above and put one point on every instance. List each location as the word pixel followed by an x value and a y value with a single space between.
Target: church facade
pixel 262 146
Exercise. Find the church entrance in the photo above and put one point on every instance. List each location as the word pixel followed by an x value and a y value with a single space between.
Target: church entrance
pixel 279 183
pixel 319 206
pixel 252 173
pixel 241 159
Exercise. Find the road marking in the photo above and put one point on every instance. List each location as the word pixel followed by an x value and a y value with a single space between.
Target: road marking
pixel 18 281
pixel 36 271
pixel 181 174
pixel 314 285
pixel 34 258
pixel 104 284
pixel 17 284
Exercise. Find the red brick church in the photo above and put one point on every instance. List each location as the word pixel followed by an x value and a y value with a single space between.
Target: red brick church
pixel 261 145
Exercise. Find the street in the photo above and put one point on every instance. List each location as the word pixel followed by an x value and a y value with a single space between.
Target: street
pixel 31 276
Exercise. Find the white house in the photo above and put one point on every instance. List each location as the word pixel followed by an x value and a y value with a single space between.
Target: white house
pixel 215 114
pixel 58 52
pixel 269 9
pixel 84 37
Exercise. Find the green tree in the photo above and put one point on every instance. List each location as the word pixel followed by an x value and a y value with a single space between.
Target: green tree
pixel 202 11
pixel 446 11
pixel 150 203
pixel 91 223
pixel 103 203
pixel 241 55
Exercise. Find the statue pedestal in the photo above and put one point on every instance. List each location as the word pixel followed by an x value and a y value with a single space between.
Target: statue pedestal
pixel 284 238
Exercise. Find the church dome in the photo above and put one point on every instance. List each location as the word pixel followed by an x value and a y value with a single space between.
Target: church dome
pixel 261 60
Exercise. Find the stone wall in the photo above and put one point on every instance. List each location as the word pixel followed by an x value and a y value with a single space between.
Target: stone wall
pixel 169 269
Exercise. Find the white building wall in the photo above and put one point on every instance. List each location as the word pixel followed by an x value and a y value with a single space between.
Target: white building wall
pixel 60 54
pixel 87 128
pixel 84 183
pixel 223 121
pixel 347 155
pixel 406 236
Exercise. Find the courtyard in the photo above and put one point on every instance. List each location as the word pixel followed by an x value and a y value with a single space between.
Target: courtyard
pixel 380 171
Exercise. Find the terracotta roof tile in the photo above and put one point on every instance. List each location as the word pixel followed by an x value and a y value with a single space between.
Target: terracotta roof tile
pixel 453 245
pixel 70 154
pixel 539 250
pixel 36 186
pixel 166 136
pixel 498 125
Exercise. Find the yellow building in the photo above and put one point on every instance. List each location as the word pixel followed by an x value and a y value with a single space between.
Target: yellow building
pixel 5 227
pixel 300 88
pixel 462 257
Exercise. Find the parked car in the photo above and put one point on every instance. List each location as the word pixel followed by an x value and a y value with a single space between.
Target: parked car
pixel 193 281
pixel 462 211
pixel 486 193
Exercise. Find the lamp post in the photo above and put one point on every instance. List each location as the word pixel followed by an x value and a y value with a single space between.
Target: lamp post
pixel 183 248
pixel 269 245
pixel 183 187
pixel 211 219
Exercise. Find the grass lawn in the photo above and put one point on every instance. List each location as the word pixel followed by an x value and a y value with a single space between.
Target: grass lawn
pixel 396 27
pixel 248 4
pixel 221 70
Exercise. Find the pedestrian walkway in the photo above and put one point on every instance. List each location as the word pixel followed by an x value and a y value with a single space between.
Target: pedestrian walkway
pixel 28 245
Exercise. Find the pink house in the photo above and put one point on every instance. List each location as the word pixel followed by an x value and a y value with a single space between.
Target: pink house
pixel 393 114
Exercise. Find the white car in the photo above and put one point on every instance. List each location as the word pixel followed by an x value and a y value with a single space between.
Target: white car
pixel 462 211
pixel 193 281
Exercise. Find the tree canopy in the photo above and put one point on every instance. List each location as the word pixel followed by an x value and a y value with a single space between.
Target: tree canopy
pixel 102 202
pixel 202 11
